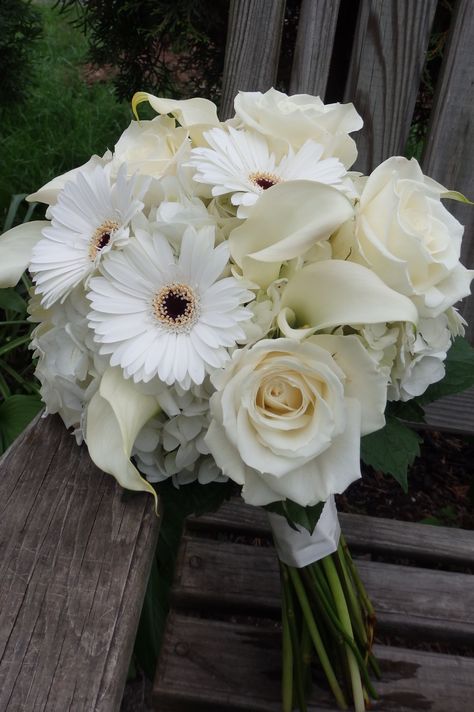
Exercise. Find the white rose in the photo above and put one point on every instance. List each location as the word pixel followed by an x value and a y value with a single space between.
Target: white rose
pixel 150 148
pixel 287 417
pixel 405 235
pixel 301 117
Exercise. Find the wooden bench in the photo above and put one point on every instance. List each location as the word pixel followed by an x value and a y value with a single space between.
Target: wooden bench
pixel 221 649
pixel 75 555
pixel 75 550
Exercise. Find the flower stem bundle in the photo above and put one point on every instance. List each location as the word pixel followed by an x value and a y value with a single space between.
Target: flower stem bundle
pixel 329 601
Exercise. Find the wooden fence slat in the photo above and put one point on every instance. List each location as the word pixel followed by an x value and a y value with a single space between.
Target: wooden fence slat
pixel 453 414
pixel 449 151
pixel 75 554
pixel 222 666
pixel 378 535
pixel 411 601
pixel 313 48
pixel 384 75
pixel 252 48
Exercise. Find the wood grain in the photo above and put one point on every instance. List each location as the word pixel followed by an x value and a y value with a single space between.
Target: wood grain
pixel 414 602
pixel 252 48
pixel 384 75
pixel 75 553
pixel 453 414
pixel 313 48
pixel 375 535
pixel 216 665
pixel 449 153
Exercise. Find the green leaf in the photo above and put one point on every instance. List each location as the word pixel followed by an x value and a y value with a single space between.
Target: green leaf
pixel 306 517
pixel 410 411
pixel 13 209
pixel 11 300
pixel 456 195
pixel 15 414
pixel 392 450
pixel 459 373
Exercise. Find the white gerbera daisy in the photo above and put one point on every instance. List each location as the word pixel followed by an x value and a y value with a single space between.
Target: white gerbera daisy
pixel 159 317
pixel 241 162
pixel 90 218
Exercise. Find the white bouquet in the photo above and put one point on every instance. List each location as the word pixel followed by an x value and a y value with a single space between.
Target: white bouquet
pixel 221 300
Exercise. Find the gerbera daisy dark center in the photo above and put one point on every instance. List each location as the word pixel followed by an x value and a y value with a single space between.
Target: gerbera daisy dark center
pixel 176 306
pixel 101 237
pixel 264 180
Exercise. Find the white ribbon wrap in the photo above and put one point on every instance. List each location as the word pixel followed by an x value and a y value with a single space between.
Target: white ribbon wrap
pixel 300 548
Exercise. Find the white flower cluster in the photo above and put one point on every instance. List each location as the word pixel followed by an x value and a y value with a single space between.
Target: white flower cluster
pixel 226 299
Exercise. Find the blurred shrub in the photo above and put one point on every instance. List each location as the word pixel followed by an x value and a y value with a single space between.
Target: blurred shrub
pixel 20 25
pixel 163 46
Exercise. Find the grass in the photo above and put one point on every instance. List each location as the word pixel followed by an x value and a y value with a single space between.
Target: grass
pixel 63 121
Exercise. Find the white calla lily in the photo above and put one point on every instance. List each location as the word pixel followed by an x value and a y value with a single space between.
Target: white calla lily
pixel 115 415
pixel 334 292
pixel 286 222
pixel 189 112
pixel 49 192
pixel 16 247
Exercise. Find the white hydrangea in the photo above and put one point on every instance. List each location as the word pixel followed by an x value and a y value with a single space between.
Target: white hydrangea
pixel 412 357
pixel 68 366
pixel 421 353
pixel 172 444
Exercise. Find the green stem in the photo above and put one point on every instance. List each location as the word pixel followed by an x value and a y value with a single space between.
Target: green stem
pixel 324 605
pixel 317 573
pixel 306 650
pixel 295 643
pixel 357 617
pixel 316 638
pixel 375 666
pixel 343 612
pixel 339 631
pixel 287 659
pixel 357 580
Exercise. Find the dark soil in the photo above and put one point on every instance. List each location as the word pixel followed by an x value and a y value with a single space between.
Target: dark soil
pixel 440 486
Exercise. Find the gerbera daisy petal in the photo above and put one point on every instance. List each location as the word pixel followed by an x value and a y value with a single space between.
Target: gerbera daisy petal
pixel 240 162
pixel 86 223
pixel 158 318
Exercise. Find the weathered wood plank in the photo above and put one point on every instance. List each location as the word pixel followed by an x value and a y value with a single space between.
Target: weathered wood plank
pixel 449 151
pixel 384 75
pixel 313 48
pixel 453 414
pixel 411 601
pixel 212 665
pixel 390 537
pixel 252 48
pixel 75 554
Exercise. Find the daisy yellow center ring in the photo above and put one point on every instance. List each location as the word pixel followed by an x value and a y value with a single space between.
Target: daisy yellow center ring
pixel 176 307
pixel 264 180
pixel 101 237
